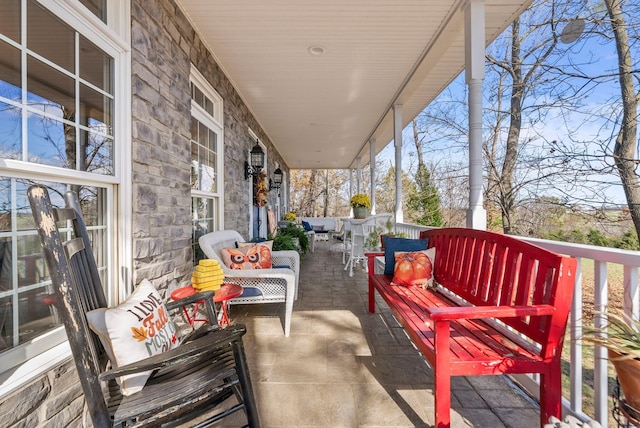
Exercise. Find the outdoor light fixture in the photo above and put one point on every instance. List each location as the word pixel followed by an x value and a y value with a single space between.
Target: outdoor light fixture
pixel 277 179
pixel 257 162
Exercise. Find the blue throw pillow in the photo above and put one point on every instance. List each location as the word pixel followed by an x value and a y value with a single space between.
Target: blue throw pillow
pixel 306 225
pixel 391 245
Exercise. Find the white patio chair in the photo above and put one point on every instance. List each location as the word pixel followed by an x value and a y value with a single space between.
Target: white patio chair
pixel 261 285
pixel 360 230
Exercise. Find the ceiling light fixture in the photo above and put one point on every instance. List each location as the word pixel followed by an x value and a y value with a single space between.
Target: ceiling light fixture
pixel 316 50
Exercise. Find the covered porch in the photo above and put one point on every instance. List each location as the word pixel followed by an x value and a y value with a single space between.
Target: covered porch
pixel 343 366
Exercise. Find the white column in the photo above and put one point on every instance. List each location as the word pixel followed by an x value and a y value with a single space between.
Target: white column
pixel 350 190
pixel 474 18
pixel 358 175
pixel 397 142
pixel 372 169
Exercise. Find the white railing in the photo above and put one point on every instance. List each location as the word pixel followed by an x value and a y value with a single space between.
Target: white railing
pixel 601 257
pixel 410 230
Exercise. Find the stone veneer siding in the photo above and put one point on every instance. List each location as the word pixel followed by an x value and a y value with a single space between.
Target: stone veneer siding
pixel 164 45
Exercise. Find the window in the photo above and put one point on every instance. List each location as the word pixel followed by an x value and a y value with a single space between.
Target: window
pixel 206 159
pixel 27 303
pixel 57 128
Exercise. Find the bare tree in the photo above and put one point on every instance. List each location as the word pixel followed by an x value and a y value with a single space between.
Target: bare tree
pixel 626 140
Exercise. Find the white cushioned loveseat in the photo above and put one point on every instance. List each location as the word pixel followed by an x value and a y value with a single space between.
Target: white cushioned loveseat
pixel 261 285
pixel 322 226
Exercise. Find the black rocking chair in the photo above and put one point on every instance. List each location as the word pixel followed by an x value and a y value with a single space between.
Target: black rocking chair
pixel 201 381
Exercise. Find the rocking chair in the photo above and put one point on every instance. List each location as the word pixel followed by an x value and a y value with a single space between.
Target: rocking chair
pixel 192 384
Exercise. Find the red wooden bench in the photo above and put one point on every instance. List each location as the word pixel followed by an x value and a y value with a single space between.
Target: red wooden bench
pixel 500 307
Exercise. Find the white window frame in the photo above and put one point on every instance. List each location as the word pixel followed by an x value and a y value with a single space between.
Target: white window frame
pixel 114 39
pixel 216 124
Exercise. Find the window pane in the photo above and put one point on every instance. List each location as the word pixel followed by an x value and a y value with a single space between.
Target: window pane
pixel 97 153
pixel 31 265
pixel 5 204
pixel 207 172
pixel 10 80
pixel 6 311
pixel 49 90
pixel 203 158
pixel 10 132
pixel 95 110
pixel 24 219
pixel 204 221
pixel 10 19
pixel 51 142
pixel 96 67
pixel 97 7
pixel 50 37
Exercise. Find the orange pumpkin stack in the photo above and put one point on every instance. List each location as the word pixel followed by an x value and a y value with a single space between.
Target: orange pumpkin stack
pixel 207 276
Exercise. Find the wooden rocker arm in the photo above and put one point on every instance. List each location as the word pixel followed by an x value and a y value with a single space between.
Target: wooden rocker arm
pixel 203 295
pixel 475 312
pixel 206 296
pixel 181 354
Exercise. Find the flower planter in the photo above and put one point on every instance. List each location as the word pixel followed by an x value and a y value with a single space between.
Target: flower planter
pixel 628 372
pixel 360 212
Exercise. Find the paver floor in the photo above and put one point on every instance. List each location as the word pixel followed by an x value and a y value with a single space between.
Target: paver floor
pixel 344 367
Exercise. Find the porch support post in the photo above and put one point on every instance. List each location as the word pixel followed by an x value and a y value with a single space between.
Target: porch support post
pixel 474 17
pixel 359 175
pixel 372 169
pixel 350 190
pixel 397 142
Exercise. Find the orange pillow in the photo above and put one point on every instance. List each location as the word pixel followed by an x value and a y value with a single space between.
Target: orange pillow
pixel 414 269
pixel 256 256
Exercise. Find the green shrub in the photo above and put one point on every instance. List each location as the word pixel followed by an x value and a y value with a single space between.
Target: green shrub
pixel 284 243
pixel 295 232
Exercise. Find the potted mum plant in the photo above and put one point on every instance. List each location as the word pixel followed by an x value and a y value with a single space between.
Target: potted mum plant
pixel 361 205
pixel 621 337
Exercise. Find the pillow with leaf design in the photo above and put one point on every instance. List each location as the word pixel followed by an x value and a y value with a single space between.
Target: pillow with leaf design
pixel 136 329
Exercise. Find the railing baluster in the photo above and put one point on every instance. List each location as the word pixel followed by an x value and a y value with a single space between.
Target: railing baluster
pixel 575 346
pixel 600 374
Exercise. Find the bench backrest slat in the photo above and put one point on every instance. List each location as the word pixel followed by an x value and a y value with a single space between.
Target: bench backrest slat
pixel 488 269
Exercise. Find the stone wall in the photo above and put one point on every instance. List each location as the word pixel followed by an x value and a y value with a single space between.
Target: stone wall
pixel 163 47
pixel 54 399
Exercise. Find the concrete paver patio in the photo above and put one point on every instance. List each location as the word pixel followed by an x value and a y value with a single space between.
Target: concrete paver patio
pixel 344 367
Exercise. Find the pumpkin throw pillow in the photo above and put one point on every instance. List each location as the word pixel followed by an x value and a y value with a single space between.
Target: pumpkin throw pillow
pixel 392 245
pixel 414 269
pixel 248 256
pixel 134 330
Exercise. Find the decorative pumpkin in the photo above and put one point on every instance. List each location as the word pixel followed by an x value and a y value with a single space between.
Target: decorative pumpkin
pixel 414 269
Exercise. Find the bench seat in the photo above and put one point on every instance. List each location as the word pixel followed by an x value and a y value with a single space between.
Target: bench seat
pixel 500 306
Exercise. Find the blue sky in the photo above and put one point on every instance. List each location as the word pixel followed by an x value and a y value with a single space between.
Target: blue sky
pixel 584 127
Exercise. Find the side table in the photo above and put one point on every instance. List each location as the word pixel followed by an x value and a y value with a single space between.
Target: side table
pixel 222 296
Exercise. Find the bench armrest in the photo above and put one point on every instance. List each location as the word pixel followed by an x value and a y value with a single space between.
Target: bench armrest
pixel 374 255
pixel 475 312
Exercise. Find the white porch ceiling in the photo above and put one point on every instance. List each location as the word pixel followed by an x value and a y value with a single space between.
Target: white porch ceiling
pixel 320 111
